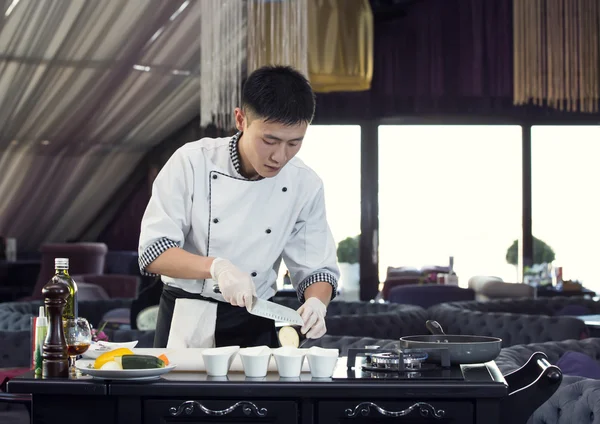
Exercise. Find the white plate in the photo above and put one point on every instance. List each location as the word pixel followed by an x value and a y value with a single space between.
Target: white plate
pixel 98 348
pixel 144 374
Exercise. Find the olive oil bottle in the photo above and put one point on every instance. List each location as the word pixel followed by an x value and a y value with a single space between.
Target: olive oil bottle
pixel 61 273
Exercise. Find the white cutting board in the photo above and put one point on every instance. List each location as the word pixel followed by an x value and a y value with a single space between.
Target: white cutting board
pixel 191 359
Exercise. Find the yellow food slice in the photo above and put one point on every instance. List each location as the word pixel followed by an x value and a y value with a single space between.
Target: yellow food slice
pixel 110 356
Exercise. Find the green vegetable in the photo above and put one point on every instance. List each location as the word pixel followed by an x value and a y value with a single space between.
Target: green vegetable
pixel 137 362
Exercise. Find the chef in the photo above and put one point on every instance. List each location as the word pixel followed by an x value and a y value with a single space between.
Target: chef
pixel 224 213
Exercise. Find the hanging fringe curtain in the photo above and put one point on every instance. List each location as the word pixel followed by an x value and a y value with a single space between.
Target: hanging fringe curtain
pixel 277 34
pixel 222 52
pixel 556 53
pixel 340 39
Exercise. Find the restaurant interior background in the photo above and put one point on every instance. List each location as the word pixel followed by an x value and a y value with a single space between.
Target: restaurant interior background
pixel 443 152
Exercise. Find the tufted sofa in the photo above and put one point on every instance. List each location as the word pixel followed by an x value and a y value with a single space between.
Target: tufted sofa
pixel 578 399
pixel 350 308
pixel 516 321
pixel 541 306
pixel 17 315
pixel 15 326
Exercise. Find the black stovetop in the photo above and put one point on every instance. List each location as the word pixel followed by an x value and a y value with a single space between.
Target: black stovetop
pixel 357 367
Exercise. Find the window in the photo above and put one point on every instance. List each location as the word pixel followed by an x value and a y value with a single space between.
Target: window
pixel 450 191
pixel 333 152
pixel 565 208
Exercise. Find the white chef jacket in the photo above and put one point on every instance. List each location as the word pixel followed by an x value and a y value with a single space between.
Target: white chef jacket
pixel 201 203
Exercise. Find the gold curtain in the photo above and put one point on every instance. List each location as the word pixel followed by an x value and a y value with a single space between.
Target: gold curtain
pixel 277 33
pixel 340 45
pixel 330 41
pixel 556 53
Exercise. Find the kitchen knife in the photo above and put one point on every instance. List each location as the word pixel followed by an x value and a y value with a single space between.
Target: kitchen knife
pixel 276 312
pixel 271 310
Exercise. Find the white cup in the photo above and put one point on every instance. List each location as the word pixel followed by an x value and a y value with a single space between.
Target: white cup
pixel 322 362
pixel 255 361
pixel 217 361
pixel 289 361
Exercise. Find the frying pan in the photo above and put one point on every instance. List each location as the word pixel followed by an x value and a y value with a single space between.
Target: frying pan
pixel 462 349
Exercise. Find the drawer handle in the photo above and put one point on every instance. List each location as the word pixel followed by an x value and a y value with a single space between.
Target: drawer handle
pixel 425 410
pixel 188 407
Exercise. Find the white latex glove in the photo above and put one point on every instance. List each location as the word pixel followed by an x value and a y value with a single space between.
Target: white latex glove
pixel 313 314
pixel 235 285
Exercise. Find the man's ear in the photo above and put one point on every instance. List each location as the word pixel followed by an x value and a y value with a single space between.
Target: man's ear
pixel 240 117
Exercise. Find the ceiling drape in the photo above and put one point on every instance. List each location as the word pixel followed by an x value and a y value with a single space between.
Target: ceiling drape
pixel 557 53
pixel 86 89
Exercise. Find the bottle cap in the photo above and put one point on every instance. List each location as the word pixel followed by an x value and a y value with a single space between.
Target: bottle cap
pixel 61 263
pixel 41 321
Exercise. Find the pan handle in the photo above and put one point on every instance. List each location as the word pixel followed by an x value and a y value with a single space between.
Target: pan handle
pixel 434 328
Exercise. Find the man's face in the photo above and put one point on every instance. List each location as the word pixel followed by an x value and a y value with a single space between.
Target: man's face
pixel 267 146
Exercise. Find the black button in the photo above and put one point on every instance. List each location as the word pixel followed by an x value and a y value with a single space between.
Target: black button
pixel 216 220
pixel 214 176
pixel 253 274
pixel 268 231
pixel 284 189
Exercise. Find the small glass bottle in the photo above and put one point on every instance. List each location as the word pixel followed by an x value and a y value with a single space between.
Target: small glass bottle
pixel 61 273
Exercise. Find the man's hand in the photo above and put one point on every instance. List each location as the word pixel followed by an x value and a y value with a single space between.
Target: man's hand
pixel 313 314
pixel 235 285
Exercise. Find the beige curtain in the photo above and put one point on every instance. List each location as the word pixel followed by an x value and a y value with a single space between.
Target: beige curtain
pixel 340 45
pixel 277 34
pixel 556 53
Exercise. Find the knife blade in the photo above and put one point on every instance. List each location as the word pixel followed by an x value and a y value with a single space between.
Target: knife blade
pixel 271 310
pixel 275 311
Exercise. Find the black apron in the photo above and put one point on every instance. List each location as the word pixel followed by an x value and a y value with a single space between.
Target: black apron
pixel 235 326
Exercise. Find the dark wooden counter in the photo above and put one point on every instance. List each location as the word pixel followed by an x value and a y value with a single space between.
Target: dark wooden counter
pixel 198 398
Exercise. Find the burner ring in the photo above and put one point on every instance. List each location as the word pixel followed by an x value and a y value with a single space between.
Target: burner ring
pixel 384 360
pixel 415 356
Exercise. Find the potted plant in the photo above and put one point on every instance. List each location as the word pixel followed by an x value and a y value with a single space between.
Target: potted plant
pixel 348 262
pixel 543 255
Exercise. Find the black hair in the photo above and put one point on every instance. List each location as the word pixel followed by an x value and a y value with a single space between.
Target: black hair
pixel 279 94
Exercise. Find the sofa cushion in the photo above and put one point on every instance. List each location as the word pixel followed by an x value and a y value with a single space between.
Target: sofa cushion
pixel 513 329
pixel 573 310
pixel 540 306
pixel 575 401
pixel 578 364
pixel 15 349
pixel 514 357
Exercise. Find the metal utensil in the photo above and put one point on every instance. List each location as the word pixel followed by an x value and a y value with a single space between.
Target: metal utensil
pixel 271 310
pixel 276 312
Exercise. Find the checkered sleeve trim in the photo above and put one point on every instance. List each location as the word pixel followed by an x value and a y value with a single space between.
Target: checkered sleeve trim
pixel 153 252
pixel 317 277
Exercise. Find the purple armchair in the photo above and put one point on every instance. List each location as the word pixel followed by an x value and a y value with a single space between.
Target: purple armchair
pixel 115 285
pixel 426 295
pixel 84 258
pixel 86 265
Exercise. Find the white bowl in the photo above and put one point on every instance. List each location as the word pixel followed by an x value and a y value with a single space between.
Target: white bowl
pixel 255 360
pixel 217 361
pixel 289 361
pixel 322 362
